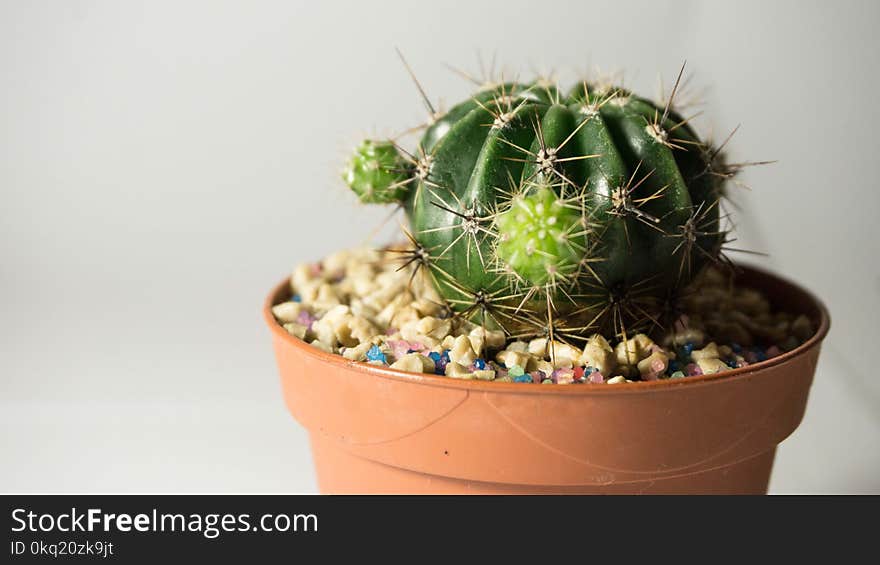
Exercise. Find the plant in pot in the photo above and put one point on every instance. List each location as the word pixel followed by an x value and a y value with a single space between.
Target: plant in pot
pixel 555 238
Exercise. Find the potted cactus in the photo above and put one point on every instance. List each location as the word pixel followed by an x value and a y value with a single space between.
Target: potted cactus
pixel 580 224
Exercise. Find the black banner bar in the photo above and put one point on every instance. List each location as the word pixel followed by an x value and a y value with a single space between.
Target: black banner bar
pixel 255 528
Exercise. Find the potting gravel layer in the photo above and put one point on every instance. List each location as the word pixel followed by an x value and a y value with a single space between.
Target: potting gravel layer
pixel 362 305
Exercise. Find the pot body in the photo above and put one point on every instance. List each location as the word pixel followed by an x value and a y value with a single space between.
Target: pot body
pixel 377 430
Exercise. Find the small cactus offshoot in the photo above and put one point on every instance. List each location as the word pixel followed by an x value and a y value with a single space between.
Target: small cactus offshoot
pixel 542 212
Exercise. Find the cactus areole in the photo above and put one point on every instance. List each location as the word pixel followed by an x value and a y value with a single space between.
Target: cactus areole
pixel 536 211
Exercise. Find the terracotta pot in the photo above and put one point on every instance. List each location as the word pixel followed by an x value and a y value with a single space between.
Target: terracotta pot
pixel 379 430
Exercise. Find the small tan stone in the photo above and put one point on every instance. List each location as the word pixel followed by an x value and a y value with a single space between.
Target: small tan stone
pixel 325 332
pixel 301 276
pixel 457 371
pixel 599 355
pixel 709 365
pixel 708 352
pixel 296 329
pixel 358 352
pixel 448 342
pixel 327 297
pixel 646 365
pixel 494 339
pixel 511 358
pixel 564 356
pixel 427 307
pixel 403 315
pixel 462 352
pixel 287 311
pixel 484 374
pixel 361 329
pixel 538 347
pixel 544 366
pixel 412 362
pixel 337 262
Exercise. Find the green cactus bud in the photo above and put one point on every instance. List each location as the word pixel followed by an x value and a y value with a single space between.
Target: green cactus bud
pixel 539 237
pixel 377 173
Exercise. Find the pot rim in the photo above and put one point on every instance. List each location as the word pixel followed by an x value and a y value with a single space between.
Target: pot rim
pixel 538 388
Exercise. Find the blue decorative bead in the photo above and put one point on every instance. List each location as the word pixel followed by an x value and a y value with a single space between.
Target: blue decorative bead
pixel 445 355
pixel 688 348
pixel 526 378
pixel 737 348
pixel 439 362
pixel 673 366
pixel 375 354
pixel 297 298
pixel 479 364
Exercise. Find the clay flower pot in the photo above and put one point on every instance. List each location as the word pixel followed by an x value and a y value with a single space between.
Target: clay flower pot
pixel 379 430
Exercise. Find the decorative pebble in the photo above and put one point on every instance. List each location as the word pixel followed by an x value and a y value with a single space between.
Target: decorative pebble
pixel 375 354
pixel 306 319
pixel 439 364
pixel 365 309
pixel 562 376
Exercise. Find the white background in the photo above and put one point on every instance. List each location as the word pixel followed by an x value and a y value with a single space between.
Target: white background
pixel 163 164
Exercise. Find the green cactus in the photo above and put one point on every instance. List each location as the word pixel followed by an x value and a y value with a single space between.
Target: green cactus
pixel 538 211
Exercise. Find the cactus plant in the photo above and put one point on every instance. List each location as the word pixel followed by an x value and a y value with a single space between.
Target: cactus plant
pixel 538 211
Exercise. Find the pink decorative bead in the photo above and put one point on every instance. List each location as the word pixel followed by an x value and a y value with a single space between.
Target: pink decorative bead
pixel 597 377
pixel 773 351
pixel 398 347
pixel 693 370
pixel 305 318
pixel 563 376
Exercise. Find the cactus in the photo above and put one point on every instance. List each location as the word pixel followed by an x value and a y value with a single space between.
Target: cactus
pixel 540 212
